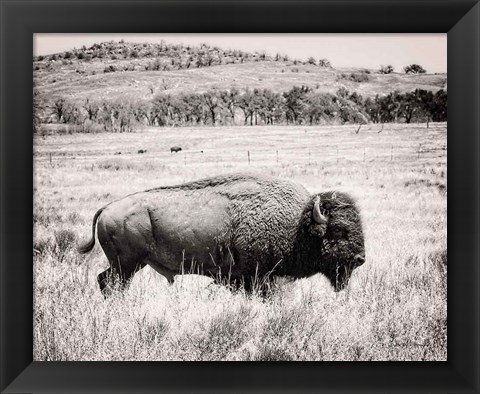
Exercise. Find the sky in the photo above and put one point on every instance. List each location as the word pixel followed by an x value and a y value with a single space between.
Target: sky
pixel 342 50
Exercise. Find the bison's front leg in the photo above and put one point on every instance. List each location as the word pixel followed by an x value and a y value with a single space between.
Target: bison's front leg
pixel 251 285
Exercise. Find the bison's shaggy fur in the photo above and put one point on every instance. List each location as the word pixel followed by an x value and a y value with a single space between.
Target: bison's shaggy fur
pixel 245 228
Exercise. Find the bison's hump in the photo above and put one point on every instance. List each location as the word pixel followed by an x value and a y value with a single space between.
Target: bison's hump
pixel 236 180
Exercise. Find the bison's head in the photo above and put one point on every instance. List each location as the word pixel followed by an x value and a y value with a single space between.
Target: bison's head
pixel 337 231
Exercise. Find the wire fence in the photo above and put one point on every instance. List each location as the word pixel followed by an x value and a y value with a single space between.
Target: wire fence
pixel 332 154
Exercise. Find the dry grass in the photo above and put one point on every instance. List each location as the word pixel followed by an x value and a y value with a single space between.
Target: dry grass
pixel 394 308
pixel 276 76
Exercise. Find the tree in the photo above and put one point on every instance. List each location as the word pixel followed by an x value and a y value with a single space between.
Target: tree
pixel 58 109
pixel 163 109
pixel 72 114
pixel 144 111
pixel 356 98
pixel 229 100
pixel 388 69
pixel 439 106
pixel 409 106
pixel 350 112
pixel 92 109
pixel 389 106
pixel 425 102
pixel 180 114
pixel 295 103
pixel 122 114
pixel 319 106
pixel 117 116
pixel 431 106
pixel 195 107
pixel 371 107
pixel 272 107
pixel 311 60
pixel 258 105
pixel 247 105
pixel 211 101
pixel 414 69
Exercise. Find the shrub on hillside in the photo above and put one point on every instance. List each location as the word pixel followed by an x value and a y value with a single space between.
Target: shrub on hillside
pixel 356 77
pixel 388 69
pixel 324 63
pixel 359 77
pixel 414 69
pixel 110 69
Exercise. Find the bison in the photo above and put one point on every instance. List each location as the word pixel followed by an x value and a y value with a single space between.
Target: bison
pixel 175 149
pixel 244 228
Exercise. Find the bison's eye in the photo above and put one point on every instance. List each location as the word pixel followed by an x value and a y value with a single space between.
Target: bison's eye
pixel 337 232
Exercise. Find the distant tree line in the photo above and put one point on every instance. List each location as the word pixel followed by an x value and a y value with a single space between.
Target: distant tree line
pixel 300 105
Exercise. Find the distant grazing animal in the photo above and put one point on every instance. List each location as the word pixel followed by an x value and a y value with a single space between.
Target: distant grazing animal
pixel 142 151
pixel 245 228
pixel 175 149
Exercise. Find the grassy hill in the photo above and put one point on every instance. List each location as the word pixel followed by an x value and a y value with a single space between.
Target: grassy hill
pixel 140 71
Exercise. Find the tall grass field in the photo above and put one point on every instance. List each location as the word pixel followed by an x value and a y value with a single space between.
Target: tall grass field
pixel 394 308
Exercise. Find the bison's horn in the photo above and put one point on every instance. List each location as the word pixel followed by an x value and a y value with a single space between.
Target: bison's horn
pixel 317 215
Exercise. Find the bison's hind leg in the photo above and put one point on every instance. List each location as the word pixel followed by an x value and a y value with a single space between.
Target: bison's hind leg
pixel 116 277
pixel 124 257
pixel 122 269
pixel 106 281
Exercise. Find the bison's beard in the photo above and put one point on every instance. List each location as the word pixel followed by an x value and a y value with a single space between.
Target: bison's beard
pixel 339 277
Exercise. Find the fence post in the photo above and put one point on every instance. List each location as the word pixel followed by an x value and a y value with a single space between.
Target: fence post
pixel 248 152
pixel 337 154
pixel 185 159
pixel 277 156
pixel 50 158
pixel 364 153
pixel 391 153
pixel 419 149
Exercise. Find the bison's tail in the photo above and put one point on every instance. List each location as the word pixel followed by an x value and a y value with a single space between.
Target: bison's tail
pixel 90 244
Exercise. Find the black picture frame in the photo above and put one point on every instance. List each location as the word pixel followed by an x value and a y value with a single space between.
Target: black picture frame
pixel 20 19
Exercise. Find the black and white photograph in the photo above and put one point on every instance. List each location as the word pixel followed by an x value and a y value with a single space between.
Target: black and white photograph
pixel 240 197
